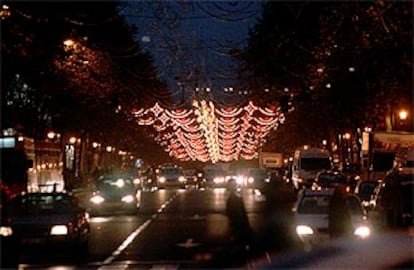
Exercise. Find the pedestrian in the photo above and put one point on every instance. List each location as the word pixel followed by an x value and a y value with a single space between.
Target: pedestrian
pixel 242 232
pixel 277 232
pixel 339 214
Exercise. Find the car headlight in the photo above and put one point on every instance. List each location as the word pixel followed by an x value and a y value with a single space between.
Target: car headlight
pixel 59 230
pixel 6 231
pixel 137 181
pixel 97 199
pixel 128 199
pixel 362 231
pixel 181 179
pixel 250 180
pixel 199 175
pixel 161 179
pixel 304 230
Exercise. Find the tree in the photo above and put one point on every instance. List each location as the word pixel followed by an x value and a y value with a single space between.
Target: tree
pixel 343 62
pixel 82 69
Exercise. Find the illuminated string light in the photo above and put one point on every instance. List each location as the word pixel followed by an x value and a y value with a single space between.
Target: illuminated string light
pixel 206 133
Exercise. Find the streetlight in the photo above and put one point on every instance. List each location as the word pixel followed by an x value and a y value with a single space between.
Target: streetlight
pixel 402 115
pixel 72 140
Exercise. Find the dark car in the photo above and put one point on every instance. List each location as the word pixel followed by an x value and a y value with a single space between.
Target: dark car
pixel 330 179
pixel 365 189
pixel 256 178
pixel 114 195
pixel 47 220
pixel 352 172
pixel 392 205
pixel 171 176
pixel 149 179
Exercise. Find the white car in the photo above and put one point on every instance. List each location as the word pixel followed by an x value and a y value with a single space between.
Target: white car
pixel 311 216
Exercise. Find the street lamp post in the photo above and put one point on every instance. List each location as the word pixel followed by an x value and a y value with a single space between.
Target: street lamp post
pixel 402 115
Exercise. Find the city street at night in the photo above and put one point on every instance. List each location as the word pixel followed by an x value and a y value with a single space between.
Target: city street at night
pixel 155 134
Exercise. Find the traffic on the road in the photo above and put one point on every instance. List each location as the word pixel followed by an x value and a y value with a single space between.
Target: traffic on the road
pixel 119 224
pixel 206 135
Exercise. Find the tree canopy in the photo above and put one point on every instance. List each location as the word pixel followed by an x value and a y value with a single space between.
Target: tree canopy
pixel 69 68
pixel 344 63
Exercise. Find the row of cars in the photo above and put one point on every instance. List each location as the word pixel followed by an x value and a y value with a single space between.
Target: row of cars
pixel 172 176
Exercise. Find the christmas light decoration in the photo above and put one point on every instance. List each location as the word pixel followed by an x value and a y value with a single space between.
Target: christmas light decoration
pixel 208 133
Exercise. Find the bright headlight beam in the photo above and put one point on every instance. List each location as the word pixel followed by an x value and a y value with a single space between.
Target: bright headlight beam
pixel 304 230
pixel 59 230
pixel 362 231
pixel 97 199
pixel 6 231
pixel 128 199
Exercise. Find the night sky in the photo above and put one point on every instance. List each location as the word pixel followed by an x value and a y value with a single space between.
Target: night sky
pixel 190 41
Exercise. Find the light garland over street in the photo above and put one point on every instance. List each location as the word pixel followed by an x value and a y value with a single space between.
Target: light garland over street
pixel 208 133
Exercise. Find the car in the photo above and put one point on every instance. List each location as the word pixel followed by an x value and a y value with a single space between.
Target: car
pixel 311 218
pixel 392 202
pixel 46 219
pixel 330 179
pixel 255 178
pixel 390 250
pixel 149 179
pixel 113 195
pixel 171 176
pixel 365 189
pixel 191 177
pixel 352 172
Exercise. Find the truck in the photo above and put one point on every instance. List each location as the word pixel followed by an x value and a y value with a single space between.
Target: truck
pixel 28 166
pixel 17 161
pixel 386 149
pixel 271 160
pixel 307 162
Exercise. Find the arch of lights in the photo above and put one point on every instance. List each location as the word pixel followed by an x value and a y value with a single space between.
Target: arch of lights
pixel 207 133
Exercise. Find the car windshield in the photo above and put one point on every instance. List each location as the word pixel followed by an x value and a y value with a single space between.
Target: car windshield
pixel 166 119
pixel 332 179
pixel 40 204
pixel 171 171
pixel 314 205
pixel 114 185
pixel 367 187
pixel 259 174
pixel 315 164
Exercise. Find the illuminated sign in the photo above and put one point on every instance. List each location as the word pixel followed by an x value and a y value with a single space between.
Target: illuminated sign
pixel 8 142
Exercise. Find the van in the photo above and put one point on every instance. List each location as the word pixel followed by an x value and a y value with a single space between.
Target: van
pixel 307 162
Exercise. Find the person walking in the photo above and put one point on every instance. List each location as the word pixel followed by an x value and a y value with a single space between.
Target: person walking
pixel 242 232
pixel 277 233
pixel 339 215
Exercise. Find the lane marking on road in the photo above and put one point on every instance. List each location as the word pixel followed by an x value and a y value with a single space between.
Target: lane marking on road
pixel 135 233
